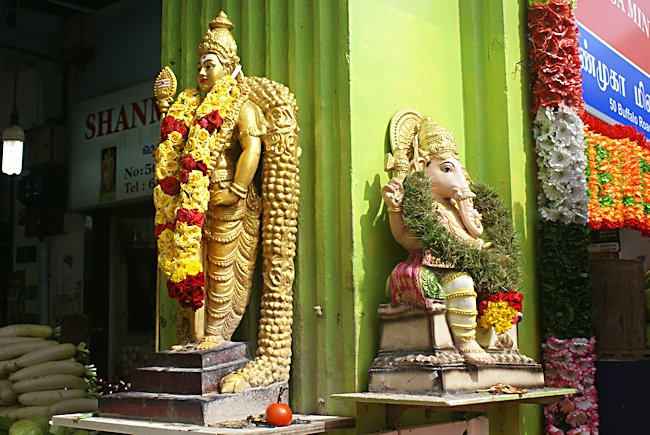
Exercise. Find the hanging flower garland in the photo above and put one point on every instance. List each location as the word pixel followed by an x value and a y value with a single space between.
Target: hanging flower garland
pixel 182 171
pixel 166 194
pixel 570 363
pixel 563 207
pixel 616 131
pixel 619 172
pixel 561 163
pixel 554 55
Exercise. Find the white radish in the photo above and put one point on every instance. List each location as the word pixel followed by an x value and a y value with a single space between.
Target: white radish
pixel 28 411
pixel 7 409
pixel 49 397
pixel 50 353
pixel 9 340
pixel 63 367
pixel 49 382
pixel 26 330
pixel 7 366
pixel 73 405
pixel 8 396
pixel 13 350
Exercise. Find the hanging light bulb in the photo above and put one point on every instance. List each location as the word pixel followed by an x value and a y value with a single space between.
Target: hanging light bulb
pixel 13 138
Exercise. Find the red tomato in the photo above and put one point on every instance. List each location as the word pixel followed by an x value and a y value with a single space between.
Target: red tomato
pixel 278 414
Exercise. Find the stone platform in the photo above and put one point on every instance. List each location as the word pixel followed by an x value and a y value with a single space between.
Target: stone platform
pixel 301 424
pixel 417 356
pixel 182 386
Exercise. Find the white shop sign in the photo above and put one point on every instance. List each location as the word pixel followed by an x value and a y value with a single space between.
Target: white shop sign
pixel 113 137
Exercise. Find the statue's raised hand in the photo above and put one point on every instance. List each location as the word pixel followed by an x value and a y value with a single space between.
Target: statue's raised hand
pixel 393 193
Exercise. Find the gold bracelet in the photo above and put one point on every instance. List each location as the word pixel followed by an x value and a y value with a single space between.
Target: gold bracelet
pixel 238 190
pixel 397 209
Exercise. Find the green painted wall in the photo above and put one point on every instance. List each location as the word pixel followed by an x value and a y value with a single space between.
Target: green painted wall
pixel 394 63
pixel 352 64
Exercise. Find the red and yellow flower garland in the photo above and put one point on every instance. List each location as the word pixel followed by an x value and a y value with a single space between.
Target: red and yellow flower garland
pixel 500 310
pixel 181 196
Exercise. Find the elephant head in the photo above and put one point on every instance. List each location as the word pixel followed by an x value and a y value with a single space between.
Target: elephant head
pixel 449 185
pixel 437 155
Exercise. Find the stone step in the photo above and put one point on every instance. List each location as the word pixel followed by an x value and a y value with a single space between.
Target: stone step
pixel 193 409
pixel 180 380
pixel 224 353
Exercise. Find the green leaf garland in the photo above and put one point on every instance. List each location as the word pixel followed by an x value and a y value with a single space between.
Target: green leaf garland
pixel 567 302
pixel 493 270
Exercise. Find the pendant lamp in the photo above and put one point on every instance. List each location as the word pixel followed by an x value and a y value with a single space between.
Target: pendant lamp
pixel 13 136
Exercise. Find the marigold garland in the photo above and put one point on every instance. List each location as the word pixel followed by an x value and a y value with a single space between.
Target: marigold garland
pixel 619 171
pixel 500 310
pixel 183 159
pixel 615 131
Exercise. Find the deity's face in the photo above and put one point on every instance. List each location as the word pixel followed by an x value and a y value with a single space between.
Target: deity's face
pixel 210 71
pixel 446 175
pixel 448 182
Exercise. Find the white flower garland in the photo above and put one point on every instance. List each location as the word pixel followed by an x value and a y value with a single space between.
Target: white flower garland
pixel 562 164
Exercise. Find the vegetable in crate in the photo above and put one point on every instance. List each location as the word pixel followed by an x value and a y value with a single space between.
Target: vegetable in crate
pixel 63 367
pixel 26 330
pixel 54 353
pixel 50 382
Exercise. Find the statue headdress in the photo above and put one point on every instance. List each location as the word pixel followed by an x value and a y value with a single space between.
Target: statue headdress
pixel 413 135
pixel 218 40
pixel 435 141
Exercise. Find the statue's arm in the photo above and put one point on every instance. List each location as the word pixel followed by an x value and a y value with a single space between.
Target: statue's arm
pixel 393 194
pixel 401 234
pixel 251 144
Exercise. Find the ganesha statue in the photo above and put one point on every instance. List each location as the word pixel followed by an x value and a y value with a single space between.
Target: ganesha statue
pixel 212 209
pixel 462 273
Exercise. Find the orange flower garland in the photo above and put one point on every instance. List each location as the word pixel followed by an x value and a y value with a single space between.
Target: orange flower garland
pixel 619 172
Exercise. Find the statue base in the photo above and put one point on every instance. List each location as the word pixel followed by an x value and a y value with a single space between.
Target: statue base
pixel 417 356
pixel 182 386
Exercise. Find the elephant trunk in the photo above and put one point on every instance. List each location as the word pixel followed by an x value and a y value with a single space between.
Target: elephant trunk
pixel 468 214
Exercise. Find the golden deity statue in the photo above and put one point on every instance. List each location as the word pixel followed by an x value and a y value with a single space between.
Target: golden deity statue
pixel 214 140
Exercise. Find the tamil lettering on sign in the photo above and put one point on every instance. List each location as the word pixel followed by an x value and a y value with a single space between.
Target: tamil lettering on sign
pixel 612 85
pixel 614 45
pixel 113 138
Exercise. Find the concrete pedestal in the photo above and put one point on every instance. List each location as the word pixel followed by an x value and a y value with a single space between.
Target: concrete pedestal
pixel 182 387
pixel 417 356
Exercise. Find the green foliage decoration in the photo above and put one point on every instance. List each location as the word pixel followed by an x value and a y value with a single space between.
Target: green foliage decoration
pixel 567 306
pixel 493 270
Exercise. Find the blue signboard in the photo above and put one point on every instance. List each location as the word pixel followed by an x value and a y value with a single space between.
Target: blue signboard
pixel 612 85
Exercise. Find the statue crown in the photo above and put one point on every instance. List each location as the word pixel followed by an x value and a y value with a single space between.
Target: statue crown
pixel 218 40
pixel 435 141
